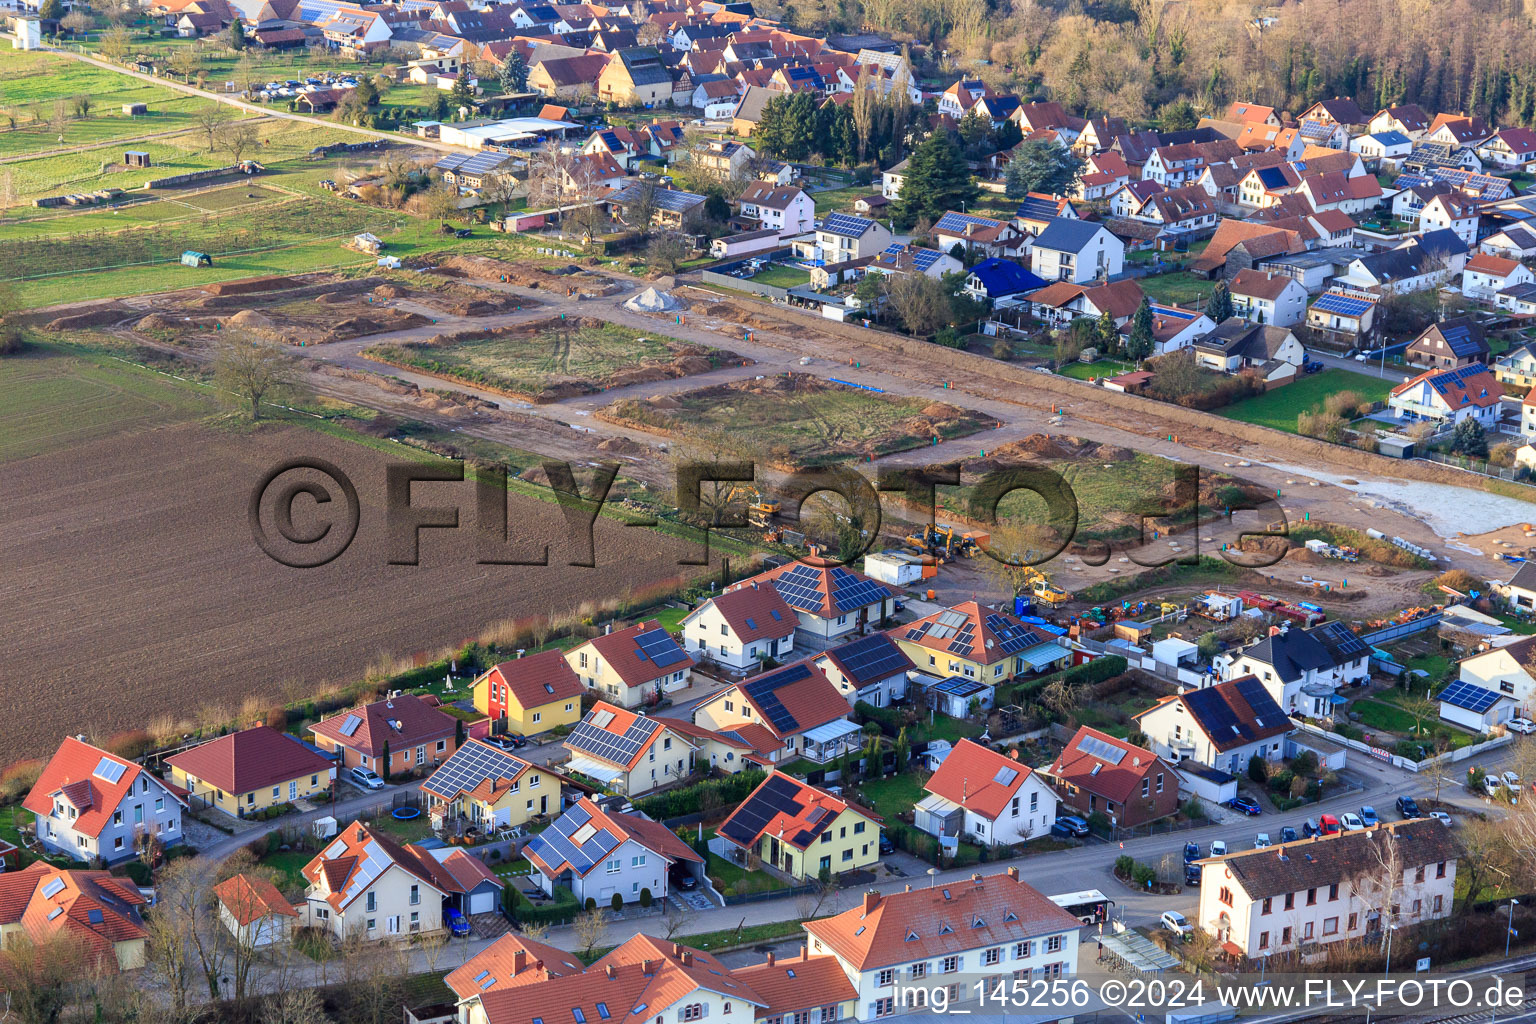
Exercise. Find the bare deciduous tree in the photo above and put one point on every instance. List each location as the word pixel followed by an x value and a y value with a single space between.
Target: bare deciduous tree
pixel 238 138
pixel 210 120
pixel 115 44
pixel 252 371
pixel 590 927
pixel 294 1006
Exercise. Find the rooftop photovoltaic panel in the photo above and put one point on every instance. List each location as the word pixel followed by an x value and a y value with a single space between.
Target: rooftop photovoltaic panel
pixel 472 764
pixel 1036 209
pixel 957 222
pixel 958 686
pixel 798 588
pixel 557 844
pixel 1341 638
pixel 1343 305
pixel 109 770
pixel 1465 695
pixel 350 725
pixel 762 692
pixel 589 738
pixel 850 592
pixel 846 224
pixel 53 888
pixel 1010 637
pixel 872 657
pixel 1095 747
pixel 1005 776
pixel 658 647
pixel 777 794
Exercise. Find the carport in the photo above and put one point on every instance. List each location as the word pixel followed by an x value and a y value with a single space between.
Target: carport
pixel 1138 953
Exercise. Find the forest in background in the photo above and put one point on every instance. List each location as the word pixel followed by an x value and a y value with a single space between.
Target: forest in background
pixel 1145 59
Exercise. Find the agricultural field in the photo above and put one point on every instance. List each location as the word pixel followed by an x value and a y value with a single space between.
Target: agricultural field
pixel 800 420
pixel 35 80
pixel 553 359
pixel 1279 408
pixel 127 522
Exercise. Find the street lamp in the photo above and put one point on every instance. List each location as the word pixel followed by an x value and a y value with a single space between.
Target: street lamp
pixel 1386 970
pixel 933 873
pixel 1509 927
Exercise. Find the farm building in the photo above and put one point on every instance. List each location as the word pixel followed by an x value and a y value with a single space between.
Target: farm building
pixel 135 109
pixel 193 258
pixel 136 158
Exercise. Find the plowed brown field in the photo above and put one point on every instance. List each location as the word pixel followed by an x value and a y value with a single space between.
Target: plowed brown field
pixel 133 587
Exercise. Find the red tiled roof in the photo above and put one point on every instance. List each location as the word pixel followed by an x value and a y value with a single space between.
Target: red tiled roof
pixel 1259 284
pixel 755 613
pixel 978 778
pixel 509 962
pixel 252 759
pixel 250 898
pixel 797 984
pixel 618 724
pixel 1496 266
pixel 71 773
pixel 538 679
pixel 982 911
pixel 816 810
pixel 89 907
pixel 618 649
pixel 1459 388
pixel 652 835
pixel 348 853
pixel 809 699
pixel 826 575
pixel 1090 771
pixel 403 721
pixel 1246 113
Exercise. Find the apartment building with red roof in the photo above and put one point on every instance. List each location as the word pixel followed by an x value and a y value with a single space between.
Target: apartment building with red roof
pixel 246 772
pixel 632 666
pixel 798 988
pixel 90 804
pixel 512 961
pixel 94 911
pixel 1096 773
pixel 741 629
pixel 993 926
pixel 989 797
pixel 403 733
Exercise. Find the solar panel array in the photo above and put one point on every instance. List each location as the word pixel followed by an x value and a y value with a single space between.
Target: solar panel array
pixel 762 692
pixel 1461 340
pixel 964 642
pixel 109 770
pixel 846 224
pixel 1341 639
pixel 1012 638
pixel 676 201
pixel 350 725
pixel 1095 747
pixel 778 794
pixel 588 738
pixel 872 657
pixel 1174 313
pixel 800 588
pixel 658 647
pixel 922 259
pixel 472 764
pixel 374 863
pixel 959 686
pixel 1343 305
pixel 1465 695
pixel 956 223
pixel 555 844
pixel 475 163
pixel 1262 703
pixel 1005 776
pixel 849 592
pixel 1036 209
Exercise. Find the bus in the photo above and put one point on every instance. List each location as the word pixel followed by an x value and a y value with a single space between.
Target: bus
pixel 1089 906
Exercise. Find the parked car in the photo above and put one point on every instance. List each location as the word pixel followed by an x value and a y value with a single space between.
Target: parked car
pixel 1072 825
pixel 1191 852
pixel 1310 828
pixel 1328 825
pixel 1176 923
pixel 1408 807
pixel 1261 840
pixel 1443 818
pixel 1492 784
pixel 684 881
pixel 1368 816
pixel 886 846
pixel 1351 821
pixel 1512 781
pixel 1192 874
pixel 1287 834
pixel 456 922
pixel 1524 726
pixel 1247 804
pixel 367 778
pixel 1218 848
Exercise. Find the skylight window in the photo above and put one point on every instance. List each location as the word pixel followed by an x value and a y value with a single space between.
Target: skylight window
pixel 581 1018
pixel 602 1010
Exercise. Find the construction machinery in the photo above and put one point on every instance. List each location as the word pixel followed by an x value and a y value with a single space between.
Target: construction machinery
pixel 1042 589
pixel 946 542
pixel 761 511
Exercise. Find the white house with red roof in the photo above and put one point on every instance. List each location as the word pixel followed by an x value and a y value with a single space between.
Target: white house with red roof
pixel 1450 396
pixel 632 666
pixel 366 883
pixel 741 629
pixel 93 911
pixel 987 796
pixel 994 927
pixel 871 669
pixel 1510 149
pixel 832 602
pixel 629 753
pixel 796 704
pixel 599 854
pixel 1485 276
pixel 418 735
pixel 89 804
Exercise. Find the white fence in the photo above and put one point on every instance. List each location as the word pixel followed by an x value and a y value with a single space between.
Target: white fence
pixel 1382 754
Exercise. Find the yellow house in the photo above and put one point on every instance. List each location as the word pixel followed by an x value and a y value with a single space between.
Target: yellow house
pixel 490 788
pixel 250 770
pixel 1001 646
pixel 531 695
pixel 635 77
pixel 96 912
pixel 803 831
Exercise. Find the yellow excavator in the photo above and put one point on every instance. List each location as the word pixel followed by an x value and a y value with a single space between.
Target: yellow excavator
pixel 760 511
pixel 944 542
pixel 1042 589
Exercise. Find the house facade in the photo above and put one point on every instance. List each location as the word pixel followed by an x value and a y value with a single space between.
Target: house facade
pixel 1220 726
pixel 986 796
pixel 629 753
pixel 741 630
pixel 365 883
pixel 598 854
pixel 872 669
pixel 1268 298
pixel 831 602
pixel 89 804
pixel 803 831
pixel 530 695
pixel 489 788
pixel 404 733
pixel 249 771
pixel 1450 396
pixel 1077 251
pixel 1301 668
pixel 1098 774
pixel 630 666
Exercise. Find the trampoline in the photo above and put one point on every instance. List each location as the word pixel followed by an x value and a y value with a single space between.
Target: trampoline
pixel 405 813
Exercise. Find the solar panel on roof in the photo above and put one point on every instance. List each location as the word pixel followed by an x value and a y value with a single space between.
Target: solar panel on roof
pixel 1342 305
pixel 52 888
pixel 658 646
pixel 846 224
pixel 1005 776
pixel 109 770
pixel 957 222
pixel 471 765
pixel 1095 747
pixel 778 794
pixel 1465 695
pixel 873 657
pixel 958 686
pixel 589 738
pixel 763 692
pixel 350 725
pixel 850 591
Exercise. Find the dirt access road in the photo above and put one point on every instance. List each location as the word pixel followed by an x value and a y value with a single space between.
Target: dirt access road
pixel 1020 411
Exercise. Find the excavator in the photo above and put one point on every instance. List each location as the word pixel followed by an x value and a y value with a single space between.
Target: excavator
pixel 944 542
pixel 1042 589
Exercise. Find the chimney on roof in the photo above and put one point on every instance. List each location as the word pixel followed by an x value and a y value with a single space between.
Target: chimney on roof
pixel 519 961
pixel 646 968
pixel 976 877
pixel 770 958
pixel 1013 873
pixel 677 949
pixel 871 900
pixel 687 957
pixel 611 971
pixel 908 888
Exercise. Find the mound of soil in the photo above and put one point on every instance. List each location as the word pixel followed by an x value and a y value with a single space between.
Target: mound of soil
pixel 389 291
pixel 940 411
pixel 155 322
pixel 331 298
pixel 249 318
pixel 621 446
pixel 251 284
pixel 99 317
pixel 687 365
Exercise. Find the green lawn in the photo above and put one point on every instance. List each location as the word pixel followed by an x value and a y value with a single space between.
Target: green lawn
pixel 890 796
pixel 1181 288
pixel 729 878
pixel 1279 408
pixel 287 863
pixel 945 728
pixel 841 199
pixel 781 275
pixel 1380 714
pixel 1100 368
pixel 671 619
